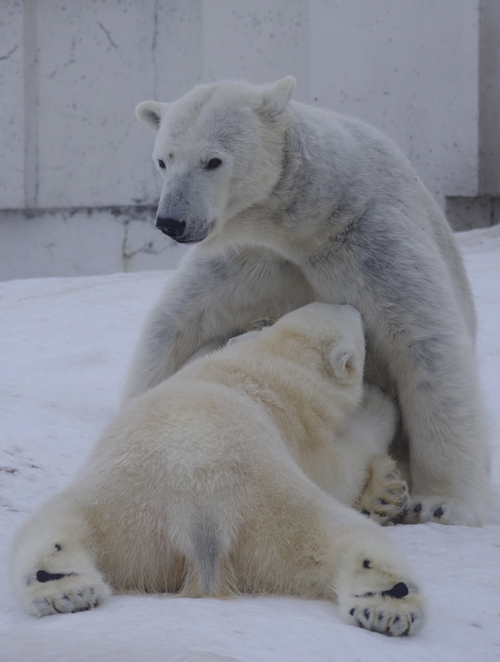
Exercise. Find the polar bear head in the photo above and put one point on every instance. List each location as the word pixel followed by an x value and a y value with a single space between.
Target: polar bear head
pixel 325 338
pixel 331 332
pixel 219 150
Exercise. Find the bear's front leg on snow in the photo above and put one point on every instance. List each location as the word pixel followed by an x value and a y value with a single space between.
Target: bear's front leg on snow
pixel 207 301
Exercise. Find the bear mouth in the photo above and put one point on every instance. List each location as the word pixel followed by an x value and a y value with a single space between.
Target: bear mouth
pixel 189 241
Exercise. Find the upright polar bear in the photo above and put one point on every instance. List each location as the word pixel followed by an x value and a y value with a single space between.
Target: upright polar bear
pixel 235 475
pixel 289 204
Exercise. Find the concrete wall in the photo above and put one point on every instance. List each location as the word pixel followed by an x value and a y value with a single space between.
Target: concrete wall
pixel 77 185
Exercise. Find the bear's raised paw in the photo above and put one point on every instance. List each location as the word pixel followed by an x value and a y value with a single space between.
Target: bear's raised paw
pixel 385 497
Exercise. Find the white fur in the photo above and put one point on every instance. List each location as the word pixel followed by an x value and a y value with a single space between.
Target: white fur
pixel 307 205
pixel 235 475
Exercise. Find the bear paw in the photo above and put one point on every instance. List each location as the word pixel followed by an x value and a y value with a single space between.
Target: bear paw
pixel 442 510
pixel 385 497
pixel 53 593
pixel 395 611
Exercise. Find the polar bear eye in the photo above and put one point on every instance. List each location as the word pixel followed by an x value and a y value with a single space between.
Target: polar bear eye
pixel 161 163
pixel 214 163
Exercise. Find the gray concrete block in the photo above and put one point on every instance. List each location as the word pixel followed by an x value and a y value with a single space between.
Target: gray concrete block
pixel 80 242
pixel 465 213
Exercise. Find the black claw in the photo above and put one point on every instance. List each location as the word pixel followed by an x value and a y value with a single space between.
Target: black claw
pixel 352 611
pixel 398 591
pixel 58 548
pixel 366 563
pixel 417 508
pixel 366 614
pixel 365 512
pixel 438 512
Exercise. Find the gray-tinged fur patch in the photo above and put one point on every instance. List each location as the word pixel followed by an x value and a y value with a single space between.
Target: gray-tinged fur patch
pixel 207 552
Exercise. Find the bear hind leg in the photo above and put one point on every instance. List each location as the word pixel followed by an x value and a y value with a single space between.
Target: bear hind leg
pixel 310 545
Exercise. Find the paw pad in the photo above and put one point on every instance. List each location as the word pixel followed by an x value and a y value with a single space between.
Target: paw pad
pixel 43 576
pixel 398 591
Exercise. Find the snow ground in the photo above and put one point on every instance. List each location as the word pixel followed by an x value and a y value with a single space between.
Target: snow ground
pixel 64 348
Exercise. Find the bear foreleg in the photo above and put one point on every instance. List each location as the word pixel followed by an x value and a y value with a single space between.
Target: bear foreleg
pixel 210 299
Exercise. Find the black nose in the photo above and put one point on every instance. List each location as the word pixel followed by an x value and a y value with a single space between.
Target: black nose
pixel 171 227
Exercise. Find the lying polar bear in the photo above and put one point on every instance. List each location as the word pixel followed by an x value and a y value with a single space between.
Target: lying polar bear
pixel 235 475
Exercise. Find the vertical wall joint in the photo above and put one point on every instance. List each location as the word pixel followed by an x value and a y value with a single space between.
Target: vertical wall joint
pixel 30 72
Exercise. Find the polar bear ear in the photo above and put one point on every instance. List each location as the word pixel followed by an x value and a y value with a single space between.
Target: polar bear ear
pixel 244 337
pixel 151 112
pixel 276 96
pixel 343 362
